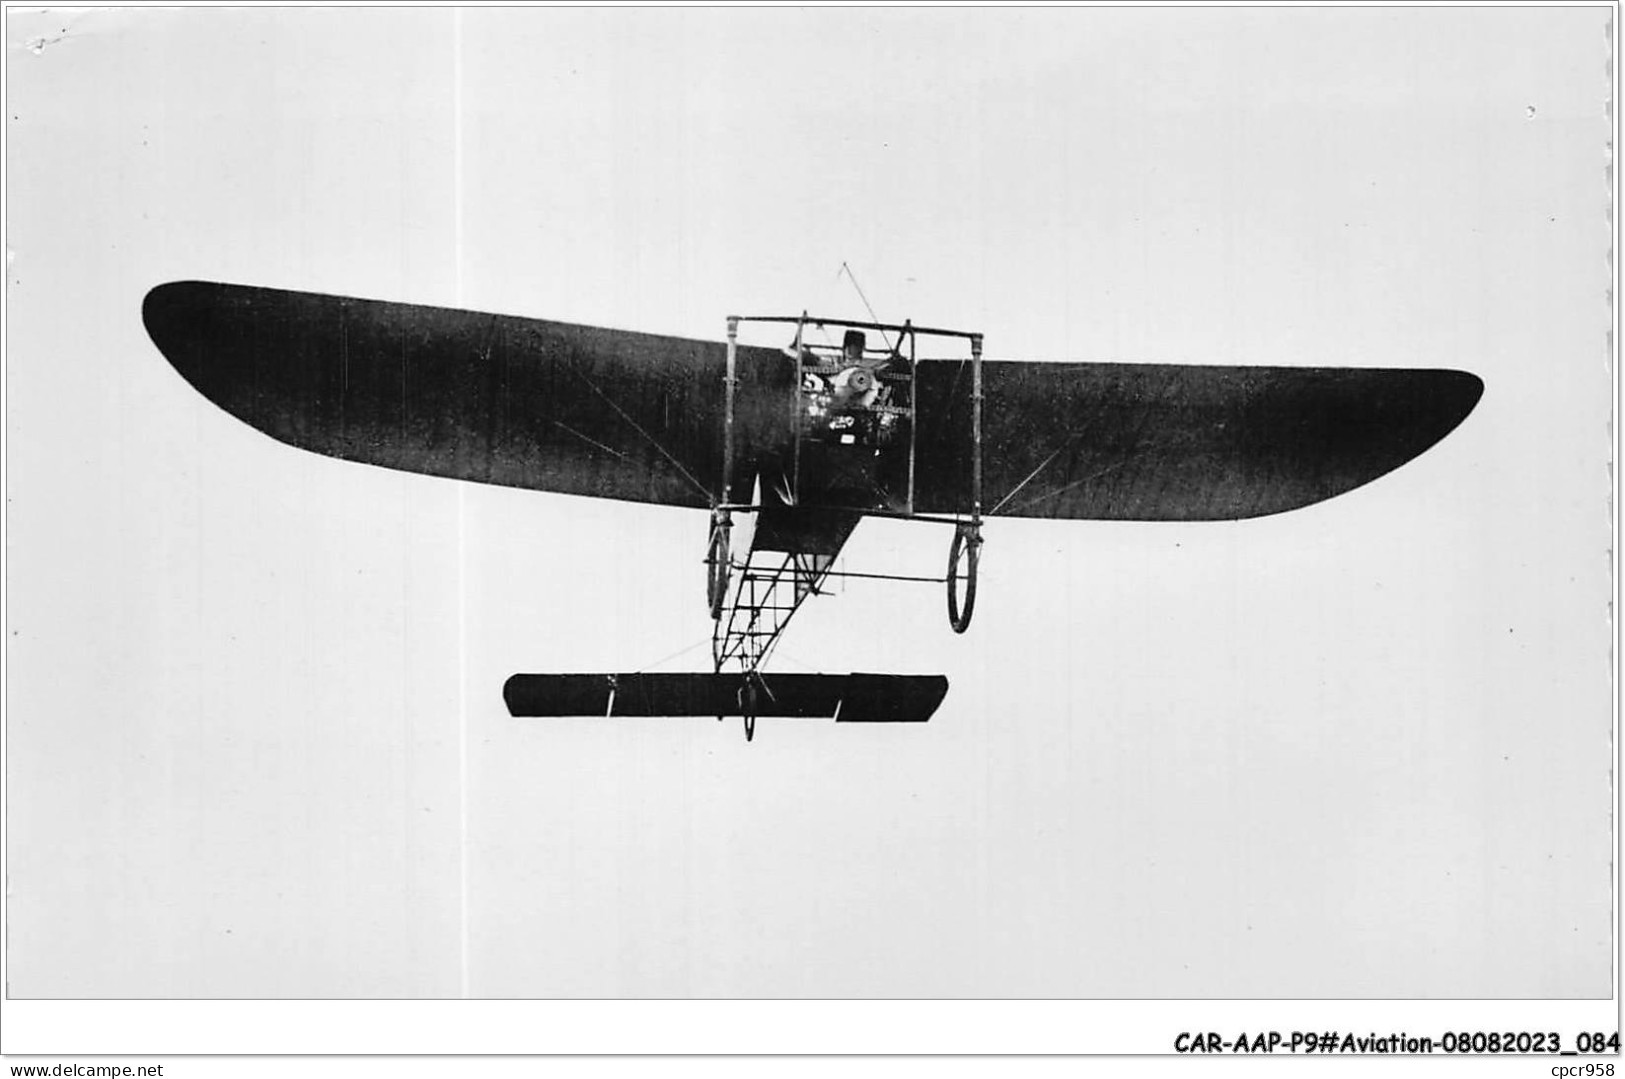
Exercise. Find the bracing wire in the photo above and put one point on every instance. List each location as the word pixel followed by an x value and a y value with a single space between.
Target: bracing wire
pixel 698 486
pixel 1042 465
pixel 674 655
pixel 866 305
pixel 798 661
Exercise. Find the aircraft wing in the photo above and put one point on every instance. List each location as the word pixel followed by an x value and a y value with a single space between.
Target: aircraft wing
pixel 495 399
pixel 581 410
pixel 1148 442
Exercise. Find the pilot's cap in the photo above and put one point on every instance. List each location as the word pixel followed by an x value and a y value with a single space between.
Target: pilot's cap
pixel 854 344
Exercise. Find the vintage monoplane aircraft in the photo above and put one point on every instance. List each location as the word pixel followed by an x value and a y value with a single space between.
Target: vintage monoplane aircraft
pixel 831 421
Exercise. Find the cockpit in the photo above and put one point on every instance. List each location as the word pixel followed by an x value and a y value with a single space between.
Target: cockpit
pixel 853 394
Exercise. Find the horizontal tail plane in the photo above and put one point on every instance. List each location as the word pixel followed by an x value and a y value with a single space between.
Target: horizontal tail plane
pixel 846 698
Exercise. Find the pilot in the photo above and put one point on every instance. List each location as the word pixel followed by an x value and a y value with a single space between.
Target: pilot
pixel 853 346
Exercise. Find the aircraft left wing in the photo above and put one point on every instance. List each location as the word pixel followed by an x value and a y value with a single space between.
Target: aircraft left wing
pixel 496 399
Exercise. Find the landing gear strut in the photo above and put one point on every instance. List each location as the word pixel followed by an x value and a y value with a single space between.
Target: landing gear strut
pixel 716 564
pixel 966 550
pixel 963 555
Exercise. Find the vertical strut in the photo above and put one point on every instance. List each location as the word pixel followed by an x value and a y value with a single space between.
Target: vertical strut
pixel 730 382
pixel 798 417
pixel 913 409
pixel 976 431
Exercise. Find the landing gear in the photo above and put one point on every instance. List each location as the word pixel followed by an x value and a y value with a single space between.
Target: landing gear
pixel 963 555
pixel 716 565
pixel 849 452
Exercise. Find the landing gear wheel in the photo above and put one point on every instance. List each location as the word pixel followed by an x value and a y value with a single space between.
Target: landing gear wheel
pixel 963 556
pixel 717 569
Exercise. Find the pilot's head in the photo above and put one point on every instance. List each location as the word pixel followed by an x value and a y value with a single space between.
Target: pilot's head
pixel 852 346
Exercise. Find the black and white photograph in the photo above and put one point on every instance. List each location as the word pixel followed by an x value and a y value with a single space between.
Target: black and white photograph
pixel 820 504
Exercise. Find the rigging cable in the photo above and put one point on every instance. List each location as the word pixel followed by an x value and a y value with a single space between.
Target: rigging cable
pixel 674 655
pixel 866 305
pixel 639 429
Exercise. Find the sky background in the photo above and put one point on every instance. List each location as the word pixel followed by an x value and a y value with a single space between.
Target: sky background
pixel 256 743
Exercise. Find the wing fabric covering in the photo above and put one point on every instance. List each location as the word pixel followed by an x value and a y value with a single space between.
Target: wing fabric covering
pixel 495 399
pixel 1149 442
pixel 615 414
pixel 847 698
